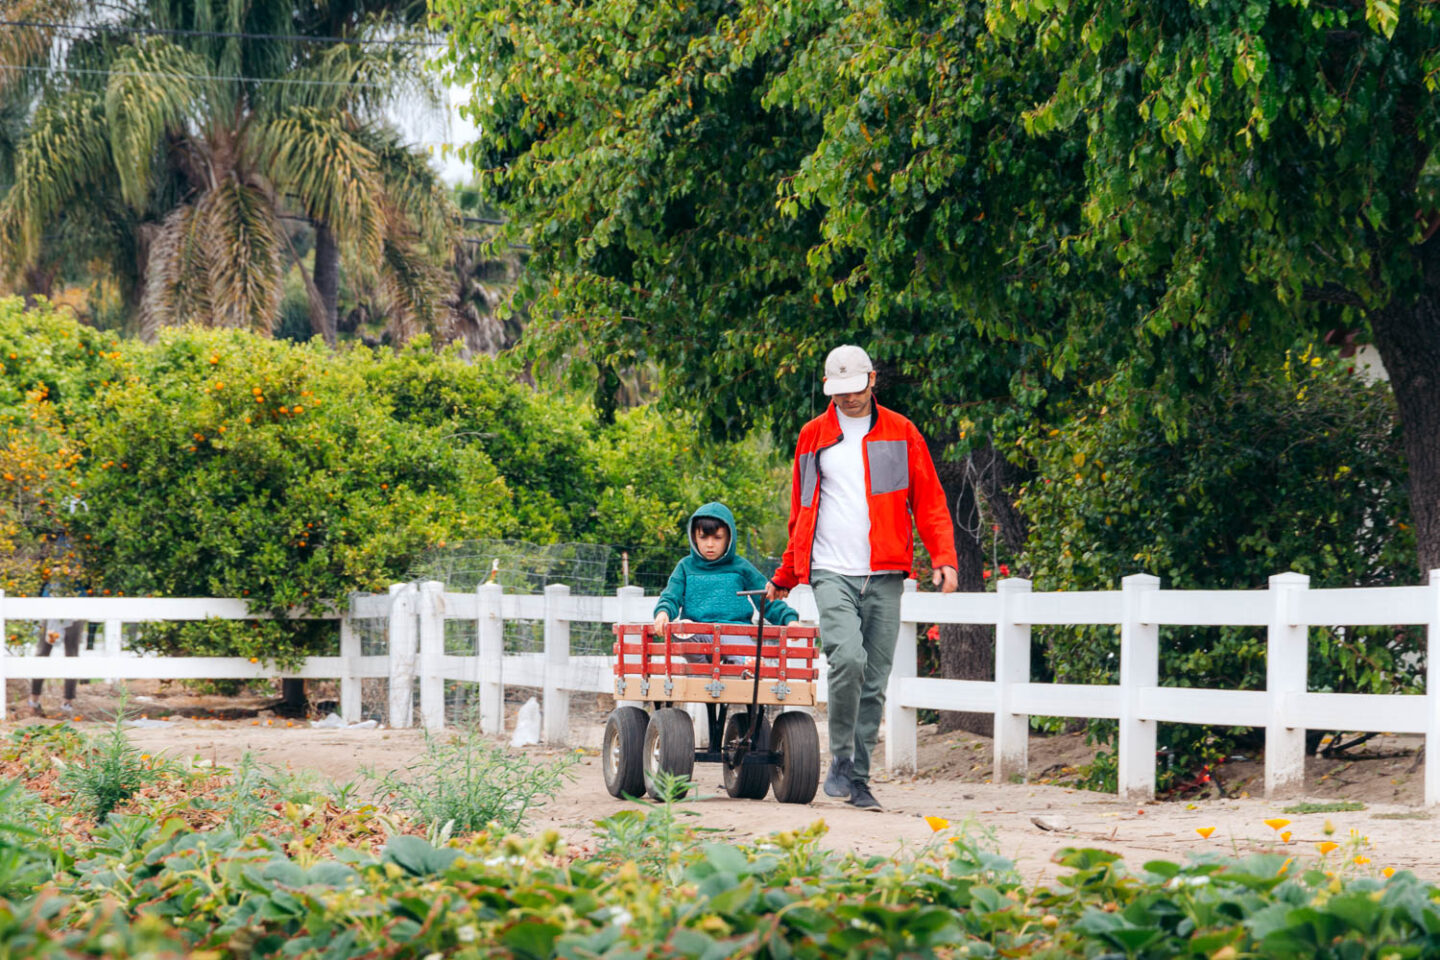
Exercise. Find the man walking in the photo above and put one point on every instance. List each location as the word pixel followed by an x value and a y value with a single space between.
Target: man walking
pixel 861 472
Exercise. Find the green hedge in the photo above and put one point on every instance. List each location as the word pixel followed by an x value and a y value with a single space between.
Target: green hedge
pixel 218 463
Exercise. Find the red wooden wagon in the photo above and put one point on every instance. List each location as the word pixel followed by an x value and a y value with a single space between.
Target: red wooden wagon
pixel 739 672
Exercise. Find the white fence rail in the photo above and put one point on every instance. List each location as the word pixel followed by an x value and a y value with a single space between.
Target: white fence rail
pixel 416 615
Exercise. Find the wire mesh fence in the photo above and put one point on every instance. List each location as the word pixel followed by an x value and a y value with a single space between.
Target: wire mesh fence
pixel 374 642
pixel 520 567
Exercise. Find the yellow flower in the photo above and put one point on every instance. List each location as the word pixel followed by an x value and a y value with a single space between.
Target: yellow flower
pixel 1277 823
pixel 1285 836
pixel 1362 860
pixel 1205 831
pixel 1325 846
pixel 1388 871
pixel 1284 866
pixel 938 823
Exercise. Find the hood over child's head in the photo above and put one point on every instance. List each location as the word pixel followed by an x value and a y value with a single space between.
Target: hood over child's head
pixel 712 532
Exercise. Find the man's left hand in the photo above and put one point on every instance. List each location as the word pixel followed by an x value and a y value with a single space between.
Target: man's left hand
pixel 946 579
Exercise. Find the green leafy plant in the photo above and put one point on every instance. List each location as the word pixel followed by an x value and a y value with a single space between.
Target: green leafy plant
pixel 1299 468
pixel 36 747
pixel 654 837
pixel 110 772
pixel 466 782
pixel 148 885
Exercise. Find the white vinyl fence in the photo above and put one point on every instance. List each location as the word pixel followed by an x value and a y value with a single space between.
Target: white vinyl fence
pixel 416 615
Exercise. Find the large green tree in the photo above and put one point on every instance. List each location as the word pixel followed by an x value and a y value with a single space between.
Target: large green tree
pixel 1001 198
pixel 730 190
pixel 1265 170
pixel 168 139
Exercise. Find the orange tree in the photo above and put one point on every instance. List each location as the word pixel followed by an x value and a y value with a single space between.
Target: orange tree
pixel 631 483
pixel 224 464
pixel 46 359
pixel 219 463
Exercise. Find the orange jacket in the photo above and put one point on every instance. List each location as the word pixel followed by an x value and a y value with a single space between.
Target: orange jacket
pixel 900 481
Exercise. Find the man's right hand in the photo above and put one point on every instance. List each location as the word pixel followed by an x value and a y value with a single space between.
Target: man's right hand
pixel 773 592
pixel 661 619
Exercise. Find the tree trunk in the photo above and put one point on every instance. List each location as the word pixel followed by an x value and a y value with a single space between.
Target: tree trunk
pixel 39 281
pixel 327 282
pixel 1408 338
pixel 967 651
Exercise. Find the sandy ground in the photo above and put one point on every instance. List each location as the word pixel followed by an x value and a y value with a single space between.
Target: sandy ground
pixel 951 784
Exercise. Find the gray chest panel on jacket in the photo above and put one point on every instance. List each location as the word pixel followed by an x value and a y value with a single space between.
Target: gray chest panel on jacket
pixel 809 477
pixel 889 466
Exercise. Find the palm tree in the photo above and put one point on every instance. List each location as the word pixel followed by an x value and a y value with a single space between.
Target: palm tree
pixel 173 135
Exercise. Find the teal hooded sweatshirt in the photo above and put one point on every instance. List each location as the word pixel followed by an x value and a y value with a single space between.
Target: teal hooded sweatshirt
pixel 704 590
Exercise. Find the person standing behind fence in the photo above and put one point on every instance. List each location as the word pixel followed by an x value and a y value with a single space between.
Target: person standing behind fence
pixel 861 473
pixel 52 632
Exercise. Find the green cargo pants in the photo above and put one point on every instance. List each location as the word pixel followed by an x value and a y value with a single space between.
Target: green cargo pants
pixel 859 618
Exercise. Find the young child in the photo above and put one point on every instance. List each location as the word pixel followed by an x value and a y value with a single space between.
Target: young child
pixel 704 584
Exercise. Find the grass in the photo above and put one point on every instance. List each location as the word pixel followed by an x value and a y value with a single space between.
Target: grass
pixel 1407 815
pixel 465 783
pixel 1332 806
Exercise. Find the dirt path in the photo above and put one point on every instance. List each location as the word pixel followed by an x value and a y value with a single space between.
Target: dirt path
pixel 1007 812
pixel 952 784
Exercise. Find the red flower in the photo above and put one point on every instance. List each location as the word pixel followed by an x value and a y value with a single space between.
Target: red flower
pixel 985 574
pixel 1004 570
pixel 933 634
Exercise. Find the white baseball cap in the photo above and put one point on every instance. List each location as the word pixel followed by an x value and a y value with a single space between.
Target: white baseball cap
pixel 847 370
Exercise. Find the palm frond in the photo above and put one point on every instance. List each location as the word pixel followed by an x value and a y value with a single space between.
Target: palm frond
pixel 29 46
pixel 177 283
pixel 311 155
pixel 361 80
pixel 152 93
pixel 413 189
pixel 415 289
pixel 63 155
pixel 244 241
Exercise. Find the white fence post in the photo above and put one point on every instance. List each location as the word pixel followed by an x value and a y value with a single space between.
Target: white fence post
pixel 1012 666
pixel 1139 669
pixel 631 611
pixel 4 649
pixel 1432 695
pixel 490 648
pixel 402 654
pixel 432 652
pixel 1286 672
pixel 901 751
pixel 351 705
pixel 555 693
pixel 113 641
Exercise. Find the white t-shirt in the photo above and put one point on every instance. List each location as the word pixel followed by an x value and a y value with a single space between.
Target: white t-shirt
pixel 842 527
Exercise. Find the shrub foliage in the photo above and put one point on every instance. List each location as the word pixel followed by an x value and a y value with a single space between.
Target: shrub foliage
pixel 1301 470
pixel 220 463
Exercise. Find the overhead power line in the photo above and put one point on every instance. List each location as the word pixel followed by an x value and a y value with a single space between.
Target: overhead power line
pixel 298 81
pixel 213 34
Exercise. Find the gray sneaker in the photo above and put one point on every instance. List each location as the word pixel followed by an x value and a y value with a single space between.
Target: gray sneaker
pixel 861 797
pixel 837 781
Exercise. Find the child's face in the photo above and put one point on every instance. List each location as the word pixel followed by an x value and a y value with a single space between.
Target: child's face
pixel 712 545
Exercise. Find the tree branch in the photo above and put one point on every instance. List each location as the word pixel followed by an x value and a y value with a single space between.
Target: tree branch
pixel 1335 293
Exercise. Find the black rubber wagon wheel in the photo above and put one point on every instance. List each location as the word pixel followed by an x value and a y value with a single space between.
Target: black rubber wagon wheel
pixel 796 773
pixel 669 747
pixel 621 749
pixel 745 781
